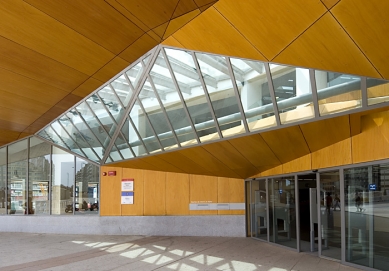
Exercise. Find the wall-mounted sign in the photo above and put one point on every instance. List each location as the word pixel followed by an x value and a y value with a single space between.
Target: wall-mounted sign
pixel 111 173
pixel 128 185
pixel 372 187
pixel 280 191
pixel 127 197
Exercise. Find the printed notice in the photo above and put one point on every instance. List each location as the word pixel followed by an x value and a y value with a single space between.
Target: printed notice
pixel 127 197
pixel 128 185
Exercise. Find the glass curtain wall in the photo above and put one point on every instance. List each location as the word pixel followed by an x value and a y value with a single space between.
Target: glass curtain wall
pixel 87 188
pixel 258 209
pixel 17 178
pixel 3 180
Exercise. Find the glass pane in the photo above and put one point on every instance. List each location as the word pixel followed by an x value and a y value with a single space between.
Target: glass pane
pixel 17 178
pixel 330 214
pixel 282 211
pixel 172 103
pixel 115 155
pixel 156 116
pixel 132 138
pixel 39 176
pixel 66 138
pixel 78 138
pixel 62 183
pixel 134 74
pixel 50 134
pixel 258 209
pixel 144 129
pixel 185 73
pixel 101 113
pixel 367 217
pixel 122 89
pixel 3 180
pixel 293 92
pixel 109 99
pixel 337 92
pixel 222 93
pixel 253 87
pixel 377 91
pixel 87 188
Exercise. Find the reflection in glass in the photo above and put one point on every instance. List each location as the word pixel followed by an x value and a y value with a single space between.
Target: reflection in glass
pixel 367 215
pixel 110 102
pixel 3 180
pixel 185 72
pixel 337 92
pixel 258 209
pixel 62 182
pixel 330 207
pixel 131 136
pixel 293 93
pixel 134 74
pixel 122 89
pixel 39 176
pixel 252 83
pixel 87 188
pixel 17 178
pixel 377 91
pixel 282 211
pixel 221 93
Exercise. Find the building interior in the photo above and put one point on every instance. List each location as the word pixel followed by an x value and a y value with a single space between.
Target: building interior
pixel 258 118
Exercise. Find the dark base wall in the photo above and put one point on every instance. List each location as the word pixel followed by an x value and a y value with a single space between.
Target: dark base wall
pixel 228 225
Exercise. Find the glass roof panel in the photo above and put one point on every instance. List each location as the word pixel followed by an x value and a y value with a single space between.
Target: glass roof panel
pixel 337 92
pixel 185 71
pixel 110 102
pixel 377 91
pixel 66 138
pixel 172 103
pixel 222 93
pixel 141 124
pixel 131 136
pixel 49 134
pixel 135 74
pixel 293 93
pixel 123 89
pixel 253 86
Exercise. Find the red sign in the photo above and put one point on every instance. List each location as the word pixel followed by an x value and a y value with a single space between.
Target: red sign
pixel 111 173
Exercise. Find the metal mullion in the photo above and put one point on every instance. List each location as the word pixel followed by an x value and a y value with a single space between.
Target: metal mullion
pixel 74 188
pixel 59 137
pixel 71 138
pixel 106 109
pixel 272 94
pixel 315 101
pixel 267 210
pixel 137 133
pixel 206 94
pixel 87 126
pixel 49 190
pixel 28 179
pixel 148 120
pixel 364 91
pixel 6 182
pixel 164 111
pixel 297 200
pixel 237 95
pixel 318 211
pixel 342 217
pixel 129 83
pixel 180 95
pixel 133 153
pixel 86 141
pixel 116 95
pixel 142 80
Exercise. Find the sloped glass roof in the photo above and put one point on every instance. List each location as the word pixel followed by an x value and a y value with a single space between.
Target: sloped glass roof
pixel 174 98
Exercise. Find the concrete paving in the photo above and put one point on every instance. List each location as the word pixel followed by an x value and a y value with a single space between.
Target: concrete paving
pixel 26 251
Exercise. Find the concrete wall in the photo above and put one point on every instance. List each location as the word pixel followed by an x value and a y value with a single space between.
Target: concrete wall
pixel 228 225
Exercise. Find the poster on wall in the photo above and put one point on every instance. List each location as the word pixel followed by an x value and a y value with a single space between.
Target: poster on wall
pixel 127 184
pixel 127 197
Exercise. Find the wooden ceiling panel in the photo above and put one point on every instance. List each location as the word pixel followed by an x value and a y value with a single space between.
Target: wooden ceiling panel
pixel 23 135
pixel 111 69
pixel 16 102
pixel 138 164
pixel 67 102
pixel 287 143
pixel 211 32
pixel 151 13
pixel 209 162
pixel 99 21
pixel 29 63
pixel 185 163
pixel 271 25
pixel 232 158
pixel 184 6
pixel 205 7
pixel 87 87
pixel 13 126
pixel 326 46
pixel 33 29
pixel 255 149
pixel 160 30
pixel 19 117
pixel 138 48
pixel 330 3
pixel 9 136
pixel 171 41
pixel 29 88
pixel 179 22
pixel 320 134
pixel 161 164
pixel 201 3
pixel 367 24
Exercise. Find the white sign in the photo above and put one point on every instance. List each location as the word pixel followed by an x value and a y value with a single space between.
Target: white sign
pixel 127 197
pixel 128 185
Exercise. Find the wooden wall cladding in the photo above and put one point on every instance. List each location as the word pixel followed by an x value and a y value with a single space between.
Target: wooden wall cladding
pixel 110 192
pixel 137 207
pixel 232 191
pixel 154 193
pixel 177 194
pixel 336 154
pixel 203 189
